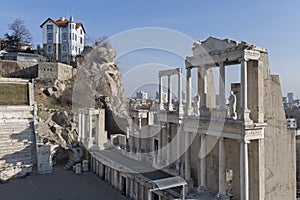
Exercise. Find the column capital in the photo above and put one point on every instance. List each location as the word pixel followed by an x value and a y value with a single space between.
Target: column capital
pixel 244 141
pixel 244 59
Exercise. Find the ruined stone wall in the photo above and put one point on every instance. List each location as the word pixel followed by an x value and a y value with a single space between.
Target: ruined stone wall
pixel 212 163
pixel 8 67
pixel 280 169
pixel 65 72
pixel 298 158
pixel 195 159
pixel 53 71
pixel 233 163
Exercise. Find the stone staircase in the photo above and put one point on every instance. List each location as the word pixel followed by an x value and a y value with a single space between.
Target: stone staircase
pixel 17 147
pixel 74 157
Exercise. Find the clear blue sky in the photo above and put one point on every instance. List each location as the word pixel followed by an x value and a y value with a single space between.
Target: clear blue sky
pixel 271 24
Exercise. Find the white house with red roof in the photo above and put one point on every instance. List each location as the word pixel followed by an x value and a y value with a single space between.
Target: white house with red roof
pixel 63 39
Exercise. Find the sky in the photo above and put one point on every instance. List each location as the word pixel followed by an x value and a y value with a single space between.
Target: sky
pixel 271 24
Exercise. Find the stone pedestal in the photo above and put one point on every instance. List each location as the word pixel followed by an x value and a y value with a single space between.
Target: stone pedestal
pixel 85 165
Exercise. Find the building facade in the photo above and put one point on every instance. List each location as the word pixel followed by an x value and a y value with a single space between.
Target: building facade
pixel 63 39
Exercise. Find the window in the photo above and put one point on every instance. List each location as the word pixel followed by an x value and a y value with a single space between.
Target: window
pixel 70 36
pixel 75 37
pixel 81 40
pixel 49 48
pixel 65 36
pixel 49 27
pixel 50 36
pixel 80 31
pixel 64 48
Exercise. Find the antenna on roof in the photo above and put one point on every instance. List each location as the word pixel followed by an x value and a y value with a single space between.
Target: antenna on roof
pixel 71 18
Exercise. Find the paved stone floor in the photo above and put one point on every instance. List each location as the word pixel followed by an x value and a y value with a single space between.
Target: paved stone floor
pixel 62 185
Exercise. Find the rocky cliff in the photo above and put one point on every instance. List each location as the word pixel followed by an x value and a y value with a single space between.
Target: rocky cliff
pixel 98 84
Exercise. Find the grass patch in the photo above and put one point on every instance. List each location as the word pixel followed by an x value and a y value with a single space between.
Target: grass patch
pixel 14 94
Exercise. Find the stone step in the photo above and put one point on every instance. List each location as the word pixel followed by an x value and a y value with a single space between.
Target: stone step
pixel 13 152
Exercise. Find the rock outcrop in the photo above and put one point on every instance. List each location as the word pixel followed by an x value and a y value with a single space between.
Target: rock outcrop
pixel 98 83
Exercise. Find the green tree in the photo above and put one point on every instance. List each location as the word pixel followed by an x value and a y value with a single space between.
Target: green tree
pixel 19 35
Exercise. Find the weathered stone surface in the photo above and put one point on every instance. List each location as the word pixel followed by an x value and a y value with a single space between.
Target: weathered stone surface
pixel 17 139
pixel 102 73
pixel 278 175
pixel 49 92
pixel 61 118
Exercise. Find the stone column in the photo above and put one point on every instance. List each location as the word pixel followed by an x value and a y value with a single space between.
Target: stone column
pixel 222 98
pixel 136 190
pixel 83 126
pixel 131 187
pixel 244 171
pixel 97 134
pixel 187 159
pixel 180 105
pixel 203 154
pixel 222 168
pixel 149 194
pixel 139 133
pixel 115 178
pixel 179 150
pixel 169 149
pixel 142 192
pixel 188 91
pixel 127 187
pixel 203 88
pixel 161 104
pixel 244 112
pixel 170 105
pixel 79 126
pixel 159 138
pixel 90 127
pixel 120 183
pixel 132 136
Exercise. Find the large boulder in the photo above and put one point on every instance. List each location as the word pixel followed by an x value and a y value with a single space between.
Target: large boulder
pixel 61 118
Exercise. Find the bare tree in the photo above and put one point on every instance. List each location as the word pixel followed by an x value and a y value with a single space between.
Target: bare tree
pixel 98 41
pixel 19 35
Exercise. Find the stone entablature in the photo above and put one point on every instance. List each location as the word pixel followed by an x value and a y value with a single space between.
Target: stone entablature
pixel 216 53
pixel 170 107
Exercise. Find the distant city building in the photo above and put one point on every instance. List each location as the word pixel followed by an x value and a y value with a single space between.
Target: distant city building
pixel 63 39
pixel 284 100
pixel 290 97
pixel 291 123
pixel 142 95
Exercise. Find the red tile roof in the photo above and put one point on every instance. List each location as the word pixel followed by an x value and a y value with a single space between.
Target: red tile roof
pixel 63 23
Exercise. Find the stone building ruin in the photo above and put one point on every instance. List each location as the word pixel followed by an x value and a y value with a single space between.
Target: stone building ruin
pixel 241 156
